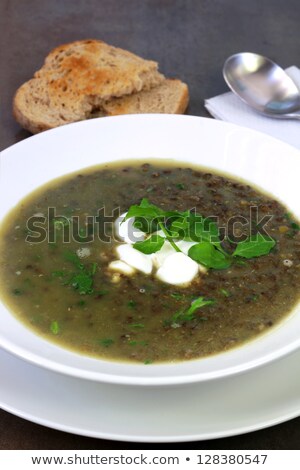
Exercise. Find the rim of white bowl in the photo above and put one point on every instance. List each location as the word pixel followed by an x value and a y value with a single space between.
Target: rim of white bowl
pixel 151 379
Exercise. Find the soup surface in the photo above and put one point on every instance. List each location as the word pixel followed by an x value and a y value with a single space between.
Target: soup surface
pixel 56 246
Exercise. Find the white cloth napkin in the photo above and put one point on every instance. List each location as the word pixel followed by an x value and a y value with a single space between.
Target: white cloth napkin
pixel 229 107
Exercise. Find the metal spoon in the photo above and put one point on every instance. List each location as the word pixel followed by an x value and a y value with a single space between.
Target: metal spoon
pixel 262 84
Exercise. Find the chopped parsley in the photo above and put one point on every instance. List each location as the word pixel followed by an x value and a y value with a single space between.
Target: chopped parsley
pixel 225 292
pixel 137 325
pixel 54 327
pixel 81 278
pixel 177 295
pixel 106 342
pixel 17 291
pixel 137 343
pixel 295 228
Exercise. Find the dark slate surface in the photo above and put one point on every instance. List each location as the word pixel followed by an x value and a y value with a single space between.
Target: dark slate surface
pixel 190 39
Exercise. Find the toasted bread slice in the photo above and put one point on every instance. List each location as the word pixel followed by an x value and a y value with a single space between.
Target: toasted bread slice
pixel 170 97
pixel 78 77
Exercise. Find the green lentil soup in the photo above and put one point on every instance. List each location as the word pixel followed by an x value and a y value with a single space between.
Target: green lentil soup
pixel 62 288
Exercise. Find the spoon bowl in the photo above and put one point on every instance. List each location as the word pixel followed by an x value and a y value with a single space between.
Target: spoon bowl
pixel 263 85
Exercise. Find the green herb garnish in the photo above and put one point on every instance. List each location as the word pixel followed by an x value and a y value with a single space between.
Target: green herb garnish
pixel 193 227
pixel 54 327
pixel 177 295
pixel 255 245
pixel 295 228
pixel 138 343
pixel 137 325
pixel 52 245
pixel 153 244
pixel 131 304
pixel 189 226
pixel 253 298
pixel 82 281
pixel 17 291
pixel 150 218
pixel 100 293
pixel 58 273
pixel 209 256
pixel 188 314
pixel 106 342
pixel 225 292
pixel 146 210
pixel 61 222
pixel 148 361
pixel 73 258
pixel 82 278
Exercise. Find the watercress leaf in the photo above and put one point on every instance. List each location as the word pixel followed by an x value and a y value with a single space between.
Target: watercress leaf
pixel 179 228
pixel 137 211
pixel 147 216
pixel 146 204
pixel 153 244
pixel 146 224
pixel 168 237
pixel 206 254
pixel 144 209
pixel 203 229
pixel 198 303
pixel 170 217
pixel 194 227
pixel 188 314
pixel 255 245
pixel 151 224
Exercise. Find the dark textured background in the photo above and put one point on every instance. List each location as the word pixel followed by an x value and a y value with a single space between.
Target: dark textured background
pixel 191 40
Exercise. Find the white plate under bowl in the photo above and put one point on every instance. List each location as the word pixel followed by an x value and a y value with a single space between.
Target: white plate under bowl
pixel 235 405
pixel 255 157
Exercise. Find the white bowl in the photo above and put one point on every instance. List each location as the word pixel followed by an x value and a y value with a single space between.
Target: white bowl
pixel 268 163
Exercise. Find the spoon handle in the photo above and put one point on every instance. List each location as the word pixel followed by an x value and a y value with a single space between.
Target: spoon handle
pixel 283 116
pixel 293 116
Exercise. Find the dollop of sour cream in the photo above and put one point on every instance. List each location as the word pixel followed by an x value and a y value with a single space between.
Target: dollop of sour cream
pixel 168 265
